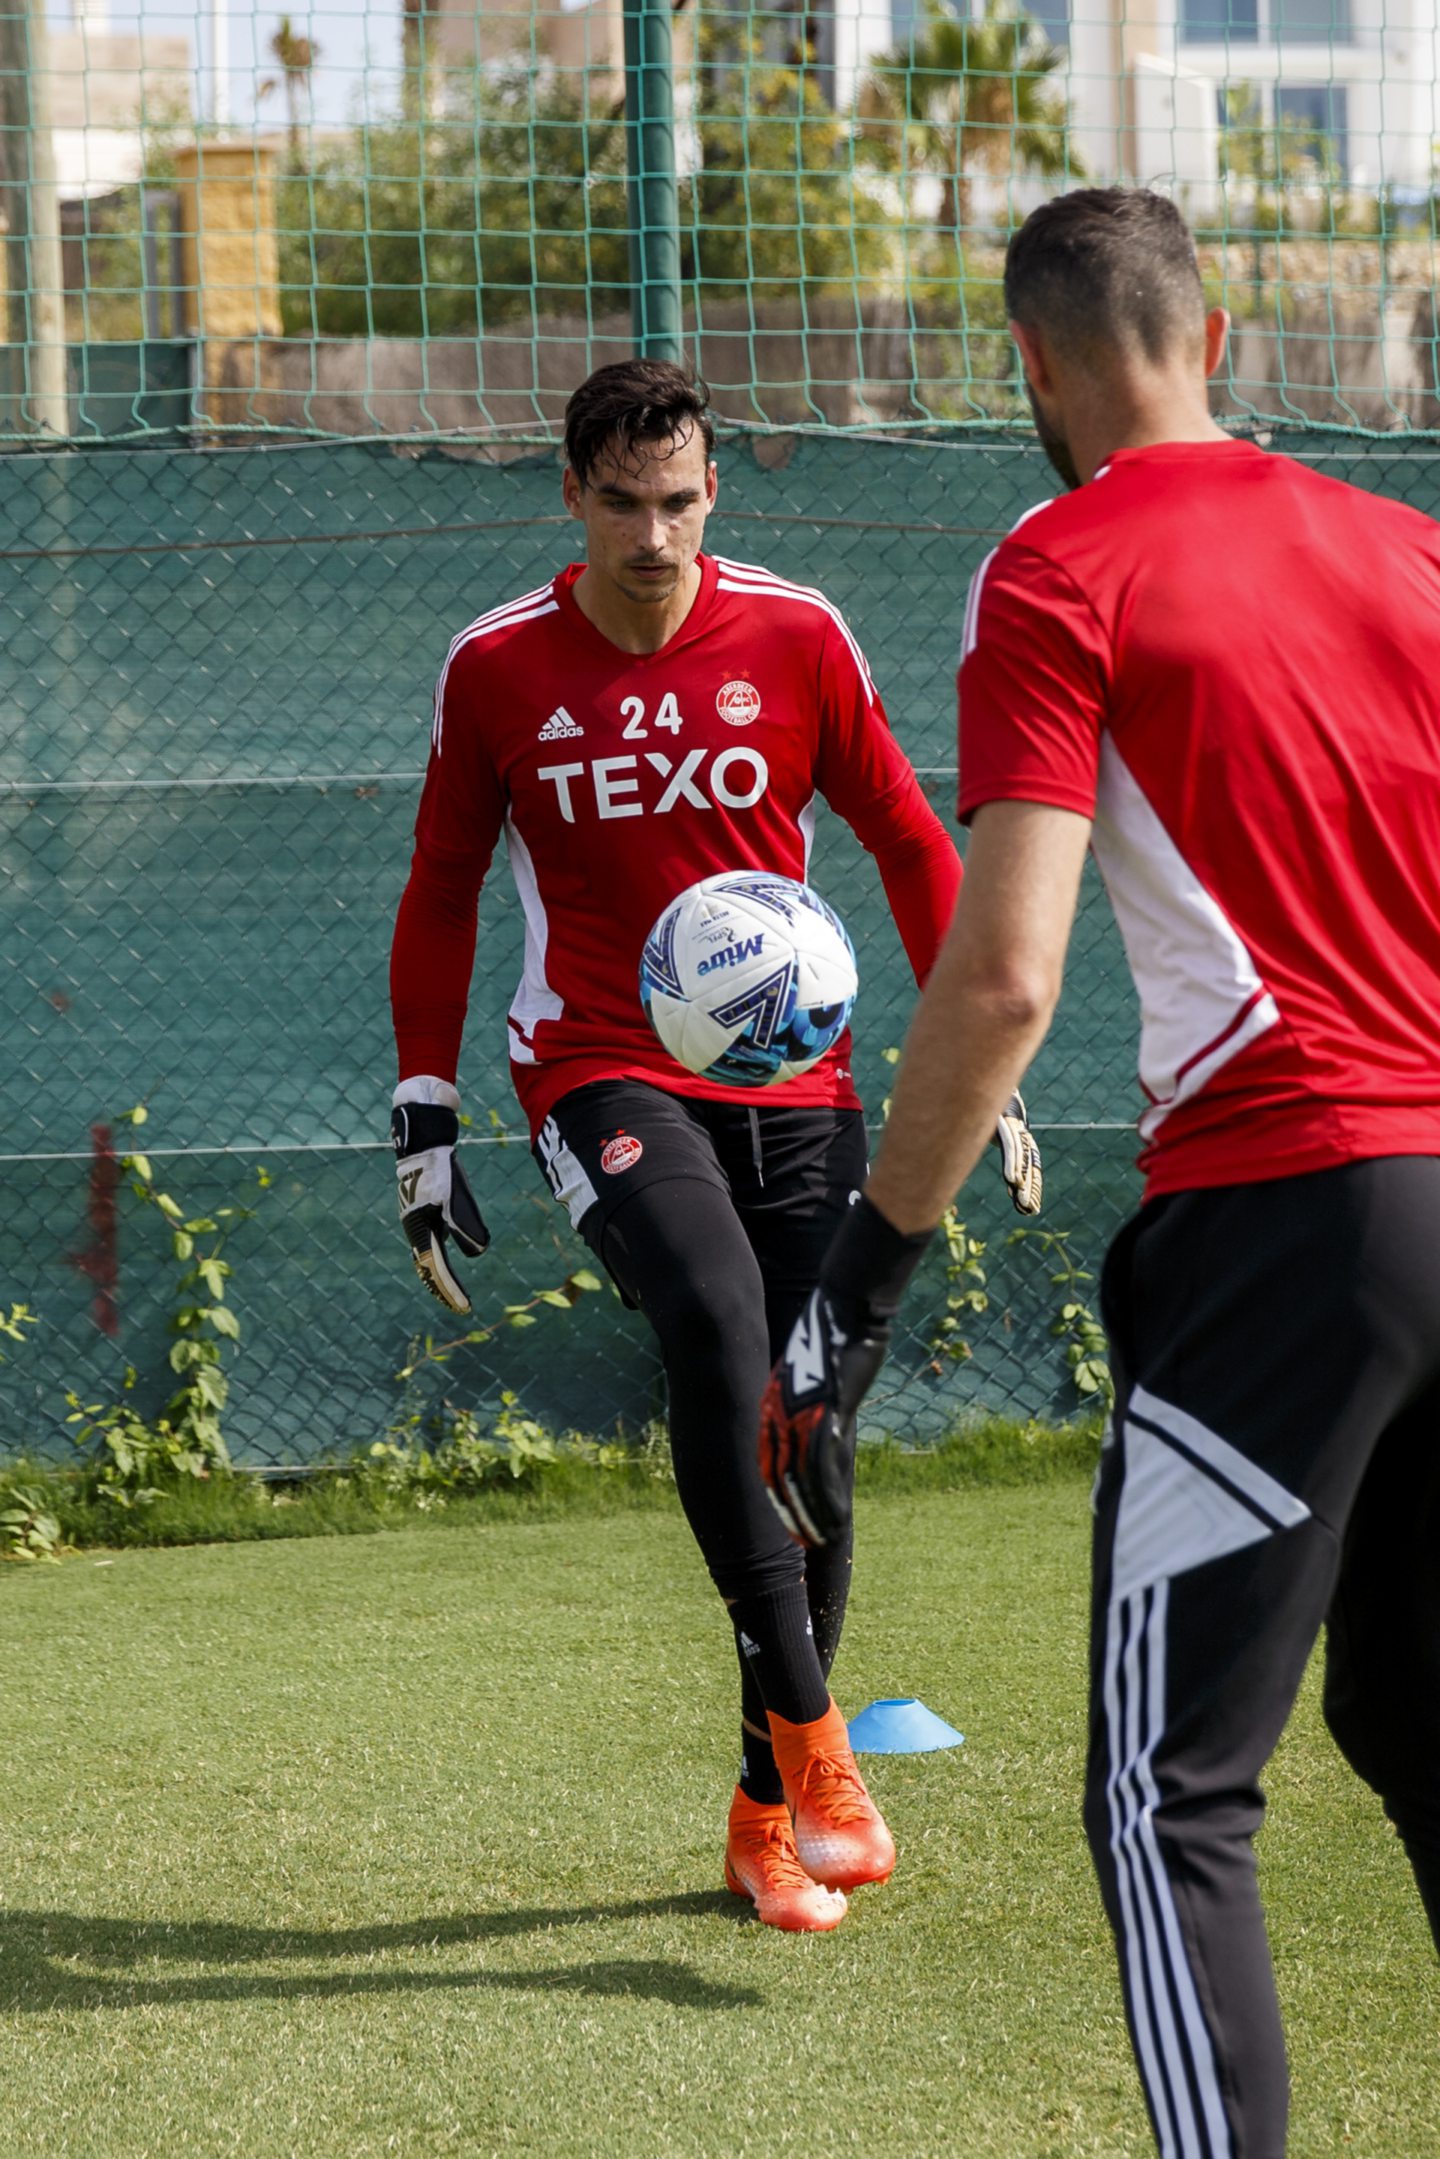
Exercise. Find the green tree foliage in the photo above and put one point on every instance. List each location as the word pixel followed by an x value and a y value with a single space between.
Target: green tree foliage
pixel 103 242
pixel 517 208
pixel 513 209
pixel 1275 155
pixel 1275 165
pixel 1282 176
pixel 778 205
pixel 965 97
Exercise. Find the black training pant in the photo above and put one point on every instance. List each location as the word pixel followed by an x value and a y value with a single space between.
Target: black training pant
pixel 1273 1465
pixel 713 1218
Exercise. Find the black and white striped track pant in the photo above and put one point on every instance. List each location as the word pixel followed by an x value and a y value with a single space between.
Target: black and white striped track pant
pixel 1273 1465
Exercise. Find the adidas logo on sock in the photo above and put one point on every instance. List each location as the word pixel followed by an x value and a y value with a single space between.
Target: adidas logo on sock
pixel 748 1648
pixel 559 726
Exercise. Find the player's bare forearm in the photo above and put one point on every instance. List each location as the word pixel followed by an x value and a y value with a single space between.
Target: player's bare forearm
pixel 986 1007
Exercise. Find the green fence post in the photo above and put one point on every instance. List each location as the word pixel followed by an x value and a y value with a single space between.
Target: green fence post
pixel 653 192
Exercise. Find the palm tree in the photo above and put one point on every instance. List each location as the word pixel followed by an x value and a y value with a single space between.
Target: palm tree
pixel 297 57
pixel 970 95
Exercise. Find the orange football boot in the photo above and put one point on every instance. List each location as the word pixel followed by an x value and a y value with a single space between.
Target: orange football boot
pixel 761 1864
pixel 840 1833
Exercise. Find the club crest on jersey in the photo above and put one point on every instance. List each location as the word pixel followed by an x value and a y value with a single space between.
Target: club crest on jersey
pixel 620 1153
pixel 738 703
pixel 559 727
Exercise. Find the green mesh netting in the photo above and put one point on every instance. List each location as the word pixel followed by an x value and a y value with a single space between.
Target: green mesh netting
pixel 215 670
pixel 414 221
pixel 316 297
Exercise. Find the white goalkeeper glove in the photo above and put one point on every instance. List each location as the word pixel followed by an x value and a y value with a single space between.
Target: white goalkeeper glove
pixel 435 1200
pixel 1019 1157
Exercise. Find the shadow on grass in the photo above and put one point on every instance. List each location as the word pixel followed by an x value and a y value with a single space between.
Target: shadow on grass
pixel 63 1960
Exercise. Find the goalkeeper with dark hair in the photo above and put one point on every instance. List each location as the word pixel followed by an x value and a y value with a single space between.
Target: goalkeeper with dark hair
pixel 648 717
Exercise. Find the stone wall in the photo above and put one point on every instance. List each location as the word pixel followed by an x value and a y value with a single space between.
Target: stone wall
pixel 832 365
pixel 1333 333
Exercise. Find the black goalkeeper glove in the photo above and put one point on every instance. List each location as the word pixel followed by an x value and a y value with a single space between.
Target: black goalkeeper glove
pixel 1019 1157
pixel 838 1344
pixel 435 1200
pixel 807 1416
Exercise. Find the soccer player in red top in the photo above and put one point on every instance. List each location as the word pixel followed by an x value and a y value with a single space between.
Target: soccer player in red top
pixel 649 717
pixel 1221 672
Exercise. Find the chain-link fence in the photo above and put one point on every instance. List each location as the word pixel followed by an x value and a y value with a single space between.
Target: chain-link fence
pixel 311 289
pixel 216 669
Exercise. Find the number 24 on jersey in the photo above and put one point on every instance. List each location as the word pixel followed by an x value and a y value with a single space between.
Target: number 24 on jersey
pixel 632 711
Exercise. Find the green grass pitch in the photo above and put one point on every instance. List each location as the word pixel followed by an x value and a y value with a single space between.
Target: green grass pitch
pixel 409 1845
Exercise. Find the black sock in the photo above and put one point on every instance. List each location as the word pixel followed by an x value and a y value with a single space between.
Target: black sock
pixel 777 1651
pixel 827 1589
pixel 759 1779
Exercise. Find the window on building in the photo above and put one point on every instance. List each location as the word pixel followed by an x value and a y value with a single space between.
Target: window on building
pixel 1219 22
pixel 1318 116
pixel 1294 130
pixel 1053 16
pixel 1280 22
pixel 905 21
pixel 1310 22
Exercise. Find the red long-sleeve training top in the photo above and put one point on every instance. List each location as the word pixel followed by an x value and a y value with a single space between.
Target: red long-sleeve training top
pixel 620 778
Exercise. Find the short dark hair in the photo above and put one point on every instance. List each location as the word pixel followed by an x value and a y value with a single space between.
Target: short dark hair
pixel 634 402
pixel 1106 267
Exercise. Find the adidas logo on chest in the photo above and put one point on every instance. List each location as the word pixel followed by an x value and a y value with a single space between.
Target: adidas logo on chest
pixel 560 727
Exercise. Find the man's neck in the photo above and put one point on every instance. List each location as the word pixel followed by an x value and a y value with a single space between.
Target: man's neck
pixel 1131 414
pixel 638 626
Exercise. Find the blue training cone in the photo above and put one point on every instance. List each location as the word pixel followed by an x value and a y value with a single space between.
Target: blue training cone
pixel 902 1726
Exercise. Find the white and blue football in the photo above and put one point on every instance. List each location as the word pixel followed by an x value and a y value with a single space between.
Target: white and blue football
pixel 748 978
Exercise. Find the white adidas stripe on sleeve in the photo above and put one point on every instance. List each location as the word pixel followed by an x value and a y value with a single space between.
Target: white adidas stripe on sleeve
pixel 541 601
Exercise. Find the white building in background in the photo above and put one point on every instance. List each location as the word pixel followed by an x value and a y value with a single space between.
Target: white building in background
pixel 1148 84
pixel 571 35
pixel 1147 80
pixel 108 90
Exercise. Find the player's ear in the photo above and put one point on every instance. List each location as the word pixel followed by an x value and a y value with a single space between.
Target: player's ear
pixel 712 483
pixel 571 492
pixel 1217 334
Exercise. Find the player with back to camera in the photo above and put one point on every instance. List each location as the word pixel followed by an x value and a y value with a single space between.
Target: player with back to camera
pixel 647 718
pixel 1221 671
